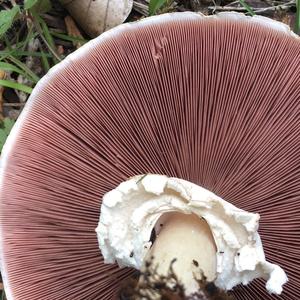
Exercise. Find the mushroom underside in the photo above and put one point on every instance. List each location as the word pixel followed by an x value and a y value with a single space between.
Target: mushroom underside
pixel 213 101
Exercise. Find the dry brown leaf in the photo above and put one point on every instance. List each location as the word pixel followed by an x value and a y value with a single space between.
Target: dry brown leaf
pixel 73 30
pixel 60 50
pixel 285 17
pixel 98 16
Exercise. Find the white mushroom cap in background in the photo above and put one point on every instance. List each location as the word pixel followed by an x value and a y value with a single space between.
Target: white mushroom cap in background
pixel 98 16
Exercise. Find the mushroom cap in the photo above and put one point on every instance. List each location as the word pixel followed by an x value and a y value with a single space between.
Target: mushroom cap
pixel 98 16
pixel 213 100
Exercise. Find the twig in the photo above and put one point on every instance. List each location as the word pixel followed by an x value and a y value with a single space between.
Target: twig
pixel 256 10
pixel 277 7
pixel 226 8
pixel 47 44
pixel 141 8
pixel 14 104
pixel 40 32
pixel 73 30
pixel 232 3
pixel 4 5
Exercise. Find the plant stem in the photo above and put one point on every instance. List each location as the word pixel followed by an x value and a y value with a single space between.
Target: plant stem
pixel 297 23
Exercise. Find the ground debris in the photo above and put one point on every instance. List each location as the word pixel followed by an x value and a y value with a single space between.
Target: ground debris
pixel 73 30
pixel 149 285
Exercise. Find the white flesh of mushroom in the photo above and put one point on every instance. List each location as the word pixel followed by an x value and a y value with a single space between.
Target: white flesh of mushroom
pixel 192 225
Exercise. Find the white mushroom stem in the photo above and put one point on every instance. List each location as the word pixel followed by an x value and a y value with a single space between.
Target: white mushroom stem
pixel 188 239
pixel 227 248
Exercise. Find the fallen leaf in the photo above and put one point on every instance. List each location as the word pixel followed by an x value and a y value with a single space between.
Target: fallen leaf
pixel 7 17
pixel 38 6
pixel 73 30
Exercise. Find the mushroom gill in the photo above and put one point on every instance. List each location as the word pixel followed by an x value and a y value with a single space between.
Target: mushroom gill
pixel 212 100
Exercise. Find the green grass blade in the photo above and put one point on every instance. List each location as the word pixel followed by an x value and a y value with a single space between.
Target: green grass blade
pixel 7 42
pixel 1 145
pixel 16 48
pixel 22 66
pixel 15 85
pixel 68 37
pixel 7 18
pixel 5 127
pixel 45 62
pixel 297 22
pixel 38 6
pixel 30 3
pixel 11 68
pixel 8 125
pixel 18 53
pixel 155 5
pixel 247 7
pixel 30 36
pixel 45 34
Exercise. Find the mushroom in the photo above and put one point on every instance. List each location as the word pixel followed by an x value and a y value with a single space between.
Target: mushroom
pixel 211 100
pixel 97 16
